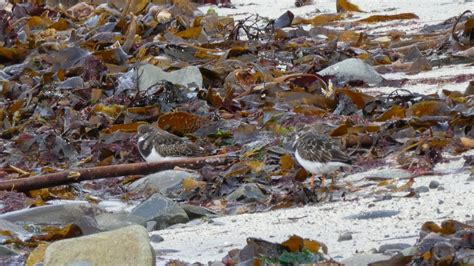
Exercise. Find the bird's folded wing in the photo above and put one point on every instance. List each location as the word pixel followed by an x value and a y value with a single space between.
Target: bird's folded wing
pixel 339 156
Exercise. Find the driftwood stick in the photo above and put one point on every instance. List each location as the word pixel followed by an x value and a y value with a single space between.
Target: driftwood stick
pixel 78 175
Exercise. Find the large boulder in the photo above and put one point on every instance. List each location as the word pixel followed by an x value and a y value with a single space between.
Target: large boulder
pixel 126 246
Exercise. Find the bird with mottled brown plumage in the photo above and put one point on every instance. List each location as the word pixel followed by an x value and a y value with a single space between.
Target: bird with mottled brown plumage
pixel 156 144
pixel 320 155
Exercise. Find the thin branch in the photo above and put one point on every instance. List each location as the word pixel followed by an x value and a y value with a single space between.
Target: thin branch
pixel 73 176
pixel 453 31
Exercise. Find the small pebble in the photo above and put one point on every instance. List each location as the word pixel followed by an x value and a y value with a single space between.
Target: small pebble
pixel 156 239
pixel 441 188
pixel 440 202
pixel 422 189
pixel 387 197
pixel 434 184
pixel 393 247
pixel 345 236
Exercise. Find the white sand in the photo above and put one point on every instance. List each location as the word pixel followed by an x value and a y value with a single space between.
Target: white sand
pixel 326 222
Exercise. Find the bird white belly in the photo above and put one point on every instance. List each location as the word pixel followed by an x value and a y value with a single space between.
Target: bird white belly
pixel 319 168
pixel 154 156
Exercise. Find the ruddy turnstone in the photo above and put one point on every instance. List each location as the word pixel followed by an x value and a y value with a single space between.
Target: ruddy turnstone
pixel 156 144
pixel 319 154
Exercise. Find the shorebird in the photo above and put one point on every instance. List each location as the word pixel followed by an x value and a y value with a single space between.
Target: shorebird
pixel 156 144
pixel 320 155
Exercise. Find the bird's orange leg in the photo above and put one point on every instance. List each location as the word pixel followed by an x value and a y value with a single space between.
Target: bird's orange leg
pixel 311 181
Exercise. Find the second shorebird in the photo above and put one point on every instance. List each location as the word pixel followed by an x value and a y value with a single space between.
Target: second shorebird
pixel 156 144
pixel 320 155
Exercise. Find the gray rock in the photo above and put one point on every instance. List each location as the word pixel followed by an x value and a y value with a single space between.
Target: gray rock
pixel 353 69
pixel 62 214
pixel 4 251
pixel 413 54
pixel 364 259
pixel 345 237
pixel 373 214
pixel 393 247
pixel 14 230
pixel 186 76
pixel 71 83
pixel 156 239
pixel 162 210
pixel 246 192
pixel 470 178
pixel 126 246
pixel 79 213
pixel 422 189
pixel 433 184
pixel 428 241
pixel 112 221
pixel 195 212
pixel 88 225
pixel 165 182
